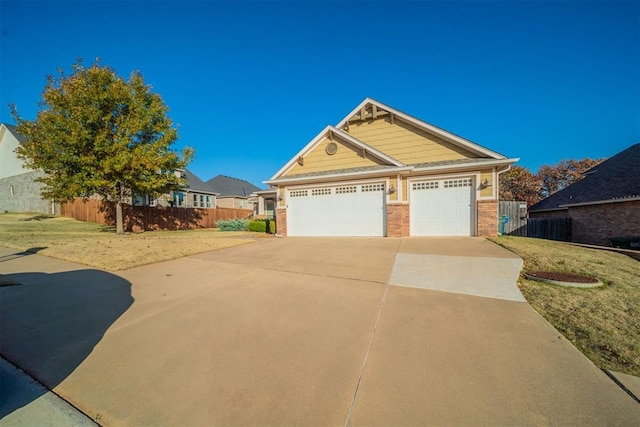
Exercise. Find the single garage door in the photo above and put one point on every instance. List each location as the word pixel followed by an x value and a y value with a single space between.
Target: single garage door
pixel 442 207
pixel 344 210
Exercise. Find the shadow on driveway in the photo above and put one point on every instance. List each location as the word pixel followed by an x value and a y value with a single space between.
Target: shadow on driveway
pixel 49 323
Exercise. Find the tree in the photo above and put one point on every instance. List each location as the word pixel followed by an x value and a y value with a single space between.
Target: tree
pixel 519 183
pixel 555 178
pixel 96 133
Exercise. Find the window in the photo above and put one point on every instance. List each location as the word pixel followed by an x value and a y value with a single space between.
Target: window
pixel 202 200
pixel 195 200
pixel 455 183
pixel 151 201
pixel 298 193
pixel 11 191
pixel 427 185
pixel 320 191
pixel 178 198
pixel 208 199
pixel 346 190
pixel 372 187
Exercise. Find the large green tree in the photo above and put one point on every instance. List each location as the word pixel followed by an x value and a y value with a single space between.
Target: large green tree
pixel 97 133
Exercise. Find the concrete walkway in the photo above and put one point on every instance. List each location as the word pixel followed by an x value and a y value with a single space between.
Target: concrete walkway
pixel 299 332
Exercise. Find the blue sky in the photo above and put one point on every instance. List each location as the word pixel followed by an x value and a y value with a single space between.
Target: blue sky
pixel 251 83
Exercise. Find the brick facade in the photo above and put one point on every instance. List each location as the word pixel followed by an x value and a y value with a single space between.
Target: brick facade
pixel 397 220
pixel 281 221
pixel 487 218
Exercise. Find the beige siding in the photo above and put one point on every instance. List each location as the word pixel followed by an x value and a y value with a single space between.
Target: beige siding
pixel 346 157
pixel 489 176
pixel 405 142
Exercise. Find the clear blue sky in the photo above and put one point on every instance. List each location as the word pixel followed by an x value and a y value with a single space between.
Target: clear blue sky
pixel 251 83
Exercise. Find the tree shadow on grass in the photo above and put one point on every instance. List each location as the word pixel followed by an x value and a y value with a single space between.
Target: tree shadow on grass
pixel 49 323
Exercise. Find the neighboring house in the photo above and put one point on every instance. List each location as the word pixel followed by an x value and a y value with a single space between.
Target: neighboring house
pixel 233 192
pixel 603 205
pixel 196 194
pixel 19 191
pixel 265 203
pixel 381 172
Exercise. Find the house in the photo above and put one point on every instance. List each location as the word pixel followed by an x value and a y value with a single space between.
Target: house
pixel 195 194
pixel 381 172
pixel 19 190
pixel 233 192
pixel 604 204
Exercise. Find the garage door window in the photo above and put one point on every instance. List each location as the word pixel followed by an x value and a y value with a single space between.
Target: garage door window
pixel 455 183
pixel 372 187
pixel 346 190
pixel 428 185
pixel 320 191
pixel 298 193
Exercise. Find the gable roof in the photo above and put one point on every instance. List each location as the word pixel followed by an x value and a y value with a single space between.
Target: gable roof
pixel 229 186
pixel 196 184
pixel 331 131
pixel 378 108
pixel 614 180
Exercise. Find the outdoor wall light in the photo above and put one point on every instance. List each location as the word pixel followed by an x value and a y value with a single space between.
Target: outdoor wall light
pixel 392 189
pixel 485 183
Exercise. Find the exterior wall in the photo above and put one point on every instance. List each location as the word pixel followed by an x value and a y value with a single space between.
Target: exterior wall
pixel 487 218
pixel 233 202
pixel 488 175
pixel 562 213
pixel 10 165
pixel 346 157
pixel 597 224
pixel 281 221
pixel 21 193
pixel 405 142
pixel 397 220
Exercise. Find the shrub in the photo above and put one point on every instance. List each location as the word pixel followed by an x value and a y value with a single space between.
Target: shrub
pixel 236 224
pixel 260 225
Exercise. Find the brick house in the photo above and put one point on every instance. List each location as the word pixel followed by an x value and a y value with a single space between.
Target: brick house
pixel 603 205
pixel 381 172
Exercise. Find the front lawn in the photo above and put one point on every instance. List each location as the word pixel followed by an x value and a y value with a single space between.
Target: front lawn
pixel 99 246
pixel 604 322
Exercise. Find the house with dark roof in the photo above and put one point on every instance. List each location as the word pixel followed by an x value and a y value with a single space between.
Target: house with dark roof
pixel 195 194
pixel 19 190
pixel 233 192
pixel 605 204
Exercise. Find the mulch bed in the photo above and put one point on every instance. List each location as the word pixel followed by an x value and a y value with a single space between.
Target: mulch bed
pixel 562 277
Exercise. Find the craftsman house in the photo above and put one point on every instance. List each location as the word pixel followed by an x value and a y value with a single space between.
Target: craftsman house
pixel 381 172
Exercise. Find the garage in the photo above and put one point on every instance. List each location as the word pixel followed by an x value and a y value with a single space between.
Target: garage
pixel 338 210
pixel 441 207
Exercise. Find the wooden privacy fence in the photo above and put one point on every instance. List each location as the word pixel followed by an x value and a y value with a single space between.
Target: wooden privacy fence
pixel 517 213
pixel 550 228
pixel 149 218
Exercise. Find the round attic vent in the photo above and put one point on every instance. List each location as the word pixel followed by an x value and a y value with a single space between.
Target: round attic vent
pixel 332 148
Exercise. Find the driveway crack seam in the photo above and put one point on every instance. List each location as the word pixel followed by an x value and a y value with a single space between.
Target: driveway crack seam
pixel 366 355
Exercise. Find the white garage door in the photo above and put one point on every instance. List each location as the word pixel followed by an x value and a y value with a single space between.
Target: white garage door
pixel 346 210
pixel 442 207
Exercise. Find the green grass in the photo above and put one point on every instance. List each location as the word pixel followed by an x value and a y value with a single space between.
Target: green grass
pixel 604 322
pixel 98 246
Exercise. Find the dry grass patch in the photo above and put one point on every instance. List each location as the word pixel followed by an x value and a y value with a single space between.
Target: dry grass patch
pixel 98 246
pixel 604 322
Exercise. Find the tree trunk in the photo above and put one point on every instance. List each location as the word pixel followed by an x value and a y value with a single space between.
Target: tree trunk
pixel 119 225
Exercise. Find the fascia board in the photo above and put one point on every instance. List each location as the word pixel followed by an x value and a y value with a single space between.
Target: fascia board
pixel 315 141
pixel 473 165
pixel 602 202
pixel 420 124
pixel 338 176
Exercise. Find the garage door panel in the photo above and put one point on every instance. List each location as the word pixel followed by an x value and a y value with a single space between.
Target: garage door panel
pixel 441 207
pixel 348 210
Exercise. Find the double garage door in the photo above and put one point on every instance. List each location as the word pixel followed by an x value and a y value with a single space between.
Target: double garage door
pixel 344 210
pixel 442 207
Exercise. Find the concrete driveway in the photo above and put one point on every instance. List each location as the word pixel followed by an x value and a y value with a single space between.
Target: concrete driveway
pixel 302 331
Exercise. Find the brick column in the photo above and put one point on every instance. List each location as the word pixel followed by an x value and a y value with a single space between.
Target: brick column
pixel 487 218
pixel 281 221
pixel 397 220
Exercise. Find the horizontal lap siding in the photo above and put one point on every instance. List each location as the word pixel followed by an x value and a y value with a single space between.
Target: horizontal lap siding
pixel 346 157
pixel 405 142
